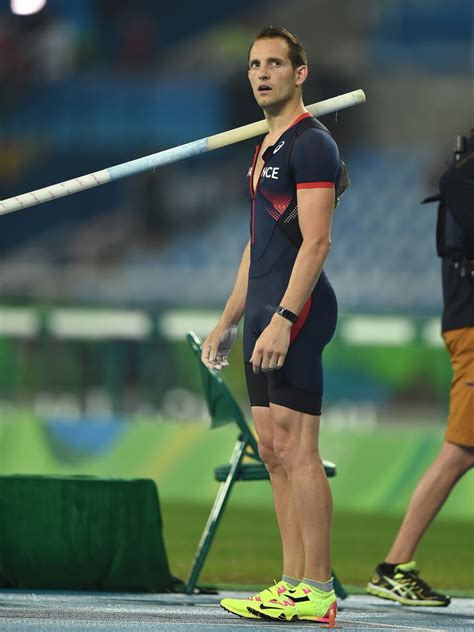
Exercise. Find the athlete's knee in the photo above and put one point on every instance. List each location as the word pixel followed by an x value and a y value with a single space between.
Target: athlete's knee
pixel 268 456
pixel 466 459
pixel 286 446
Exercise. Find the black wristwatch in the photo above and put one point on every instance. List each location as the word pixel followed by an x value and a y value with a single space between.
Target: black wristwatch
pixel 285 313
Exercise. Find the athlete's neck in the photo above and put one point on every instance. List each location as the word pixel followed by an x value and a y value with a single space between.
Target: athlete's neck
pixel 281 119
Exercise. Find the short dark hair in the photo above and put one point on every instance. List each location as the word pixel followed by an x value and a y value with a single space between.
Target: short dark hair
pixel 296 51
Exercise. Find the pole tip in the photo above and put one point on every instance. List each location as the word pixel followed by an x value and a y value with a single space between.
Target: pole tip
pixel 359 95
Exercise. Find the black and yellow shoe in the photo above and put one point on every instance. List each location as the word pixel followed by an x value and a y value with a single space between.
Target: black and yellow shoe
pixel 405 586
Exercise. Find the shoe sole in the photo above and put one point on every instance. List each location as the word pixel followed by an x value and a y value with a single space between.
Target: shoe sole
pixel 238 614
pixel 386 594
pixel 267 617
pixel 295 617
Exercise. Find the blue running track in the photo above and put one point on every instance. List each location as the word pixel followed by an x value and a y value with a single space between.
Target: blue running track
pixel 29 611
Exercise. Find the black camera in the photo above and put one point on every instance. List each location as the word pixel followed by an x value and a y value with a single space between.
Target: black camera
pixel 453 237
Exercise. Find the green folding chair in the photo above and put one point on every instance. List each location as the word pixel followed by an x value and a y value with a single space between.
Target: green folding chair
pixel 223 409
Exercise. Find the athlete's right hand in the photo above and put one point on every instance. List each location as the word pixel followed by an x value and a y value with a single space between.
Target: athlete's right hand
pixel 216 347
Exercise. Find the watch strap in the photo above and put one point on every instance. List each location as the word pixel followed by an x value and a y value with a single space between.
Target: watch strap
pixel 285 313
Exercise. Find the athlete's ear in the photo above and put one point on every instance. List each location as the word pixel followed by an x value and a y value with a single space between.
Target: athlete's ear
pixel 301 74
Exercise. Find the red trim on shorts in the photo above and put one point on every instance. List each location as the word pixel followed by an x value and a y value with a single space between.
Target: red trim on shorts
pixel 315 185
pixel 298 326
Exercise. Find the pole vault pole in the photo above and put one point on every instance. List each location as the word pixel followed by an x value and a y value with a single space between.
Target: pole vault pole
pixel 166 157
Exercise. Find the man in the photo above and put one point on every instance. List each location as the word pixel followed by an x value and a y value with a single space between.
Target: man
pixel 397 577
pixel 290 315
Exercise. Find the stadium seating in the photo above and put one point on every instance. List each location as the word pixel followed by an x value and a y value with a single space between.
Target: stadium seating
pixel 433 36
pixel 383 257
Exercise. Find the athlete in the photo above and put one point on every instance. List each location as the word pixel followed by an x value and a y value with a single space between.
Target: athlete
pixel 290 315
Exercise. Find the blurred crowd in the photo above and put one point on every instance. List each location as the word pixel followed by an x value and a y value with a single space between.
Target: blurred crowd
pixel 88 84
pixel 51 46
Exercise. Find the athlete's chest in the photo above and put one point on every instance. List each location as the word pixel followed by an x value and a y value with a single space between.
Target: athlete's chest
pixel 270 169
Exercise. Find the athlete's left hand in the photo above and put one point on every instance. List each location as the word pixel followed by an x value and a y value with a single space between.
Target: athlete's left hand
pixel 272 345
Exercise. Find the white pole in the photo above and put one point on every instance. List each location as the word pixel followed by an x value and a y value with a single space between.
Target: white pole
pixel 166 157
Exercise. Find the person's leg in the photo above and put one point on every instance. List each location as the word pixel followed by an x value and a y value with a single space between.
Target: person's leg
pixel 428 498
pixel 295 444
pixel 452 461
pixel 397 578
pixel 292 545
pixel 291 540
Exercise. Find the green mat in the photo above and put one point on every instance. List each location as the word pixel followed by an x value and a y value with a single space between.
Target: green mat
pixel 81 533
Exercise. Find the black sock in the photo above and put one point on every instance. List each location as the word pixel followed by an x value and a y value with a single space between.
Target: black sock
pixel 387 569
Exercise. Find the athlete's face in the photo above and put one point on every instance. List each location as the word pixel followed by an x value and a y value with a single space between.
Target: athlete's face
pixel 273 79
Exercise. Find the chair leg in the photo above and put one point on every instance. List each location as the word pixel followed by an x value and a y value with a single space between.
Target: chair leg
pixel 215 516
pixel 338 587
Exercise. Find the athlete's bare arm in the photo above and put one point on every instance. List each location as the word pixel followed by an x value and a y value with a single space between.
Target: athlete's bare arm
pixel 230 317
pixel 315 210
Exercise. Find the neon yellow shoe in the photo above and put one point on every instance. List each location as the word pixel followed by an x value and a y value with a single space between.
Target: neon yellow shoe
pixel 240 606
pixel 302 603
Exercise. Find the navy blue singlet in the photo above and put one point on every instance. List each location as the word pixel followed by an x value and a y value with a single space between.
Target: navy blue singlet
pixel 303 157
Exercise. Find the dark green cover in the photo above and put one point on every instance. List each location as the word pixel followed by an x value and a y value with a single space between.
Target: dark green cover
pixel 81 532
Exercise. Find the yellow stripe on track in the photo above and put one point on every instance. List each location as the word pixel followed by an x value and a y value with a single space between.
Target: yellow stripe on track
pixel 163 458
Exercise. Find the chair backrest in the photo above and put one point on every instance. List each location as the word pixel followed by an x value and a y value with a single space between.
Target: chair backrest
pixel 221 404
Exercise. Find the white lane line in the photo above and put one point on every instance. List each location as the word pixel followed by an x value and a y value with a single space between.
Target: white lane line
pixel 390 625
